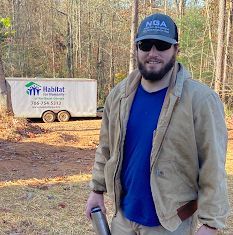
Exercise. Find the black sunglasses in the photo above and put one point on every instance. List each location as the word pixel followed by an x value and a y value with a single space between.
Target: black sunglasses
pixel 147 44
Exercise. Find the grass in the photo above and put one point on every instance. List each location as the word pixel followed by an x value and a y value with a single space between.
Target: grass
pixel 44 208
pixel 52 206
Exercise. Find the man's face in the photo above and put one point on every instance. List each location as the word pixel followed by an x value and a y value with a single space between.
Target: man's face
pixel 155 58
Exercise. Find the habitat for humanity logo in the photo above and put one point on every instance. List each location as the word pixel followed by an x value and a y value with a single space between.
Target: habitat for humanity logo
pixel 33 88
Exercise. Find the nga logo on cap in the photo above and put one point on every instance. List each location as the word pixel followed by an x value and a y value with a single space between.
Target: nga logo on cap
pixel 156 25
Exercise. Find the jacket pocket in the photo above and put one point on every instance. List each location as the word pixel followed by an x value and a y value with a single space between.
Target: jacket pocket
pixel 171 187
pixel 185 175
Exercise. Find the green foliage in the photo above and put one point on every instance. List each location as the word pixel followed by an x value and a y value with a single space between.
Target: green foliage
pixel 192 27
pixel 228 111
pixel 5 22
pixel 5 28
pixel 119 77
pixel 195 44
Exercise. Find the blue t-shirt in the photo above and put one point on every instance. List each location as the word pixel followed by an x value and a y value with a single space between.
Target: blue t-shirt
pixel 137 203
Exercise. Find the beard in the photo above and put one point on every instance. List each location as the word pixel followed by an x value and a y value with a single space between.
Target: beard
pixel 156 75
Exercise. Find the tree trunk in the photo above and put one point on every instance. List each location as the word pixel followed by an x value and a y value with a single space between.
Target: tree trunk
pixel 210 39
pixel 181 8
pixel 151 4
pixel 79 36
pixel 89 58
pixel 202 55
pixel 228 31
pixel 99 63
pixel 165 6
pixel 52 40
pixel 70 54
pixel 134 26
pixel 210 33
pixel 111 70
pixel 3 88
pixel 220 46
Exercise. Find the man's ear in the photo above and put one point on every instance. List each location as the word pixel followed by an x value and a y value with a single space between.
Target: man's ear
pixel 177 48
pixel 136 50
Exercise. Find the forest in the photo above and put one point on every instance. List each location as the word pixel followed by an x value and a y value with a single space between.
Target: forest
pixel 95 39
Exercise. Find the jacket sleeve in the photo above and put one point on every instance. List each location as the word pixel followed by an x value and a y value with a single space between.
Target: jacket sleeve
pixel 211 139
pixel 102 153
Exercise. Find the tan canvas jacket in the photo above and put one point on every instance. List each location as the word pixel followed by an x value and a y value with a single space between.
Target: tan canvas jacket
pixel 188 153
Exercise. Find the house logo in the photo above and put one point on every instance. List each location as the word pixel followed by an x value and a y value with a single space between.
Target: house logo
pixel 33 88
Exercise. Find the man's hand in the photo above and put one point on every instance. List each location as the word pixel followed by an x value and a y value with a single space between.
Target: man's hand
pixel 95 200
pixel 204 230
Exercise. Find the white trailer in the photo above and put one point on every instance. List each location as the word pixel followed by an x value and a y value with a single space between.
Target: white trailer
pixel 51 98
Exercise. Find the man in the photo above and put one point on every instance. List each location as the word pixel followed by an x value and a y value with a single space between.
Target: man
pixel 162 145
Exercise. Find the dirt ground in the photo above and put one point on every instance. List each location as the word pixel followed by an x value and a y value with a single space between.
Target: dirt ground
pixel 60 149
pixel 47 151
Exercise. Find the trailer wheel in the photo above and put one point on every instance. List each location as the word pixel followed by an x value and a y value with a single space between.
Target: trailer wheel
pixel 63 116
pixel 49 116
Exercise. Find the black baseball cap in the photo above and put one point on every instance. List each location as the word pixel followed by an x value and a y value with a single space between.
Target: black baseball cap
pixel 158 26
